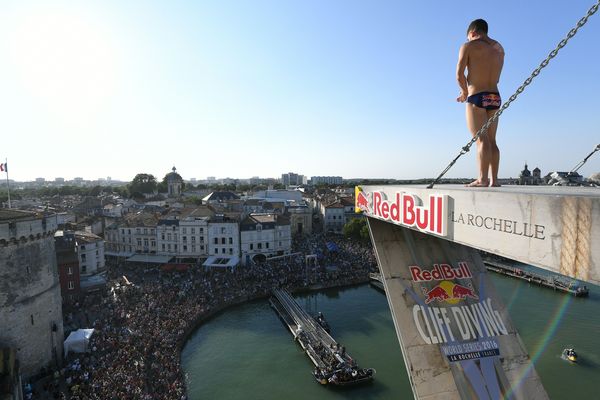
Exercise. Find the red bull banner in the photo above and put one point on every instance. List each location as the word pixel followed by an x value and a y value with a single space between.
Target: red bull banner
pixel 457 339
pixel 449 319
pixel 430 215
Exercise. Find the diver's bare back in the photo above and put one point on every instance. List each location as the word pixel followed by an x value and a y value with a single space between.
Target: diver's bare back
pixel 485 60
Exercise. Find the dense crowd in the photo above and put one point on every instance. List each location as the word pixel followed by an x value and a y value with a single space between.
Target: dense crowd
pixel 145 315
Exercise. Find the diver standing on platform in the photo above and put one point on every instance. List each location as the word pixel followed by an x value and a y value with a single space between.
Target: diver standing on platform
pixel 483 58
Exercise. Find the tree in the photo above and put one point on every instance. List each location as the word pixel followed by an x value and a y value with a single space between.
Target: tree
pixel 353 228
pixel 121 191
pixel 95 191
pixel 365 236
pixel 193 200
pixel 162 187
pixel 137 196
pixel 143 183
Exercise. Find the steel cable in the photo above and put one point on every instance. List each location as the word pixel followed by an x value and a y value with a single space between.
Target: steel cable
pixel 465 149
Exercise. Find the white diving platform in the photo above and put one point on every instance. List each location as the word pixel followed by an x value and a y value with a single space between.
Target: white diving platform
pixel 556 228
pixel 457 339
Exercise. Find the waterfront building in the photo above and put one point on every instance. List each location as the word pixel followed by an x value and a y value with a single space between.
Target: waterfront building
pixel 136 233
pixel 193 234
pixel 264 235
pixel 167 231
pixel 301 218
pixel 30 297
pixel 334 217
pixel 223 236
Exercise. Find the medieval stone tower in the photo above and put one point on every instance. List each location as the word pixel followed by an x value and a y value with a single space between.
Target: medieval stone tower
pixel 30 299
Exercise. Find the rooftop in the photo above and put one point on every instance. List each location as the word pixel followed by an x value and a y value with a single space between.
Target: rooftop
pixel 9 215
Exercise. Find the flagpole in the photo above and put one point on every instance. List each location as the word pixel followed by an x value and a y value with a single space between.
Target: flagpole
pixel 7 182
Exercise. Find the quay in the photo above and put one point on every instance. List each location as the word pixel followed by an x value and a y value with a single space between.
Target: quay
pixel 332 364
pixel 555 282
pixel 376 281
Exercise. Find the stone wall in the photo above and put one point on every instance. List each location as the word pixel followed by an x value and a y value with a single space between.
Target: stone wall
pixel 30 299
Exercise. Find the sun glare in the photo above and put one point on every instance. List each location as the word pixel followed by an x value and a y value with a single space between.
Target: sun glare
pixel 66 63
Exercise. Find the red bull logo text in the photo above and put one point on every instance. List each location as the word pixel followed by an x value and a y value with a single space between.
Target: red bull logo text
pixel 406 210
pixel 440 272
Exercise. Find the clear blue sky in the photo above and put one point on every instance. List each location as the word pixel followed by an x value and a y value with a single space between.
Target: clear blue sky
pixel 259 88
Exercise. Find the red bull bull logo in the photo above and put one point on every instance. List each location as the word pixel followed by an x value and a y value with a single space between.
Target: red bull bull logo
pixel 449 292
pixel 362 202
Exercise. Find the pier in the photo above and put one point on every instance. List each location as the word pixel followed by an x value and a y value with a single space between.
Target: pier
pixel 549 281
pixel 333 365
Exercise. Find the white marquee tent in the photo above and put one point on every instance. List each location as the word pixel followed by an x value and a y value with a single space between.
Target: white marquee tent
pixel 78 341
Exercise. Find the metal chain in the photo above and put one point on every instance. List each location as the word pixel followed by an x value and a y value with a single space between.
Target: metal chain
pixel 520 90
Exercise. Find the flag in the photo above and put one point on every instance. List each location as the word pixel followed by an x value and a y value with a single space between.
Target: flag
pixel 4 167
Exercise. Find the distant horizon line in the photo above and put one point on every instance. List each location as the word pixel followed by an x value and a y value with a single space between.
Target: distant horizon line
pixel 217 180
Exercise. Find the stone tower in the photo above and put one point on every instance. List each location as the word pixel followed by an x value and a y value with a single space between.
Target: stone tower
pixel 174 183
pixel 31 320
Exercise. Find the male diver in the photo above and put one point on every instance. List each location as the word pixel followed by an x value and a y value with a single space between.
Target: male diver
pixel 483 58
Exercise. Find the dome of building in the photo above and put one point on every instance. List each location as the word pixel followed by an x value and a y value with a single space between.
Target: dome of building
pixel 174 183
pixel 525 172
pixel 173 176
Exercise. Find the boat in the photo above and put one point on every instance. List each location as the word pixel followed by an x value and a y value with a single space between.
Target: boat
pixel 321 376
pixel 353 376
pixel 569 354
pixel 321 320
pixel 344 376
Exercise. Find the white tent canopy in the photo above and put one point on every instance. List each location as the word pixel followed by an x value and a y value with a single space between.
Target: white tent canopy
pixel 78 341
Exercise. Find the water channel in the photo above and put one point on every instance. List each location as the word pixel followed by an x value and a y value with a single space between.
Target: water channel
pixel 246 353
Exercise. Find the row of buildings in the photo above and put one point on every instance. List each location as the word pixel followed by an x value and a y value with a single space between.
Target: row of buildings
pixel 226 226
pixel 50 258
pixel 294 179
pixel 561 178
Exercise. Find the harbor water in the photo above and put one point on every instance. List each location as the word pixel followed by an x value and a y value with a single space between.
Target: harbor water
pixel 246 353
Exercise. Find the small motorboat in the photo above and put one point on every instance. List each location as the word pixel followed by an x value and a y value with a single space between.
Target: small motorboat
pixel 570 354
pixel 321 320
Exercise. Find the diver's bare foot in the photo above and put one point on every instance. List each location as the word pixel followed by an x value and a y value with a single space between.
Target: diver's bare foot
pixel 495 184
pixel 478 183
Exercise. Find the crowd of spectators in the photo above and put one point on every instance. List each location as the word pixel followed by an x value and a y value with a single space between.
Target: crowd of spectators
pixel 144 317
